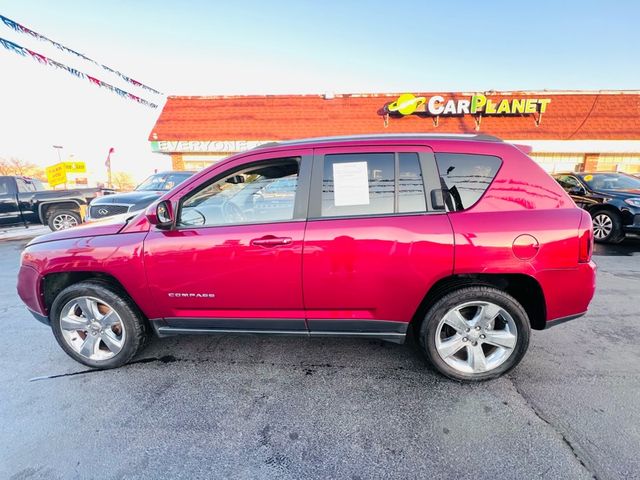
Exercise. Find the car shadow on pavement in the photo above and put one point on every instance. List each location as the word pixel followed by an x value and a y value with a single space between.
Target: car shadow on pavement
pixel 628 247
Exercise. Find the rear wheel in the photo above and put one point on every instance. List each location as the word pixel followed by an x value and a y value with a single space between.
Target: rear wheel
pixel 63 219
pixel 475 333
pixel 607 227
pixel 97 325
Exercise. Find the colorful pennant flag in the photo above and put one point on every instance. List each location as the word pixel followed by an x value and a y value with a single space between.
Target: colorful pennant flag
pixel 22 29
pixel 13 47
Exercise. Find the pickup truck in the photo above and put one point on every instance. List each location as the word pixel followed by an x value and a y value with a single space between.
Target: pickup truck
pixel 24 200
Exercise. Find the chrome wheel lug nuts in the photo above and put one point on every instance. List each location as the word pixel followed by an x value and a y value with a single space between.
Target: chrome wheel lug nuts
pixel 483 336
pixel 467 330
pixel 478 327
pixel 465 339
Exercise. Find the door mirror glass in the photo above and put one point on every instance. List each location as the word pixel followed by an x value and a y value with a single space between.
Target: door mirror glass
pixel 160 215
pixel 576 190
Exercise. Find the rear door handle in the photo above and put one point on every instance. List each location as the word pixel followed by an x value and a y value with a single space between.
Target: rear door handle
pixel 271 241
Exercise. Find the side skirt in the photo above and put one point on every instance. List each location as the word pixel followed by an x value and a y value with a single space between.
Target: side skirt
pixel 378 329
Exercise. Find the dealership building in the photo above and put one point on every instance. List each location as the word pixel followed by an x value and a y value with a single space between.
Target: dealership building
pixel 567 130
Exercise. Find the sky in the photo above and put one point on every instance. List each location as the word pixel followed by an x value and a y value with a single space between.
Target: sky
pixel 277 47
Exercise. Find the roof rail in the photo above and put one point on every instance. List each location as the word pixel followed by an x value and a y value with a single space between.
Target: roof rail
pixel 483 137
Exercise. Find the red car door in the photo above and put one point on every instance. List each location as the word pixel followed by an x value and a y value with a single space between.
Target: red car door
pixel 377 238
pixel 234 260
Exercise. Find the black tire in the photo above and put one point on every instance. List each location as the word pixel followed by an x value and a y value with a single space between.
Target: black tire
pixel 134 323
pixel 428 330
pixel 617 233
pixel 54 217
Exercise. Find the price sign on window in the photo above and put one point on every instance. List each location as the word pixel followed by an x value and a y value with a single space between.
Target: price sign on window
pixel 350 184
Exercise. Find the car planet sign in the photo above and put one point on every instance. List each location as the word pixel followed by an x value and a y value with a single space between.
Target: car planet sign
pixel 408 104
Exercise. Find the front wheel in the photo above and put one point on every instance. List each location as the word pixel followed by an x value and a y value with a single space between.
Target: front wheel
pixel 97 325
pixel 475 333
pixel 63 219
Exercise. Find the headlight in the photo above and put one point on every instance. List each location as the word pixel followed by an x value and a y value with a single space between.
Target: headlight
pixel 634 202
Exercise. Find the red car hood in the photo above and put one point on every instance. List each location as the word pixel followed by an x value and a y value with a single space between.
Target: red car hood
pixel 107 226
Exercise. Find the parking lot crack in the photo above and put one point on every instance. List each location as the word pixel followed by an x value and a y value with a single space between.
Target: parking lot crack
pixel 575 448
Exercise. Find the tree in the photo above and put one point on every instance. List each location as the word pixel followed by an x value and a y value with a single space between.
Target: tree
pixel 123 181
pixel 15 166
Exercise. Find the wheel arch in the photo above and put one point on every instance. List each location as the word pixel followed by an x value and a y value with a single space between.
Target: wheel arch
pixel 604 207
pixel 524 288
pixel 54 283
pixel 45 207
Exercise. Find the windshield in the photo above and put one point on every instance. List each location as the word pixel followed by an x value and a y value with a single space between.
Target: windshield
pixel 163 181
pixel 611 181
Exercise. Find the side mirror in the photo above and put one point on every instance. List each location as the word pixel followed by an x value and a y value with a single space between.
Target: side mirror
pixel 235 179
pixel 437 199
pixel 577 190
pixel 160 214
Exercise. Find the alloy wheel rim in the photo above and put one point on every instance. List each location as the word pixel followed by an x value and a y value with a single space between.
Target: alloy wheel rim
pixel 64 221
pixel 476 337
pixel 602 226
pixel 92 328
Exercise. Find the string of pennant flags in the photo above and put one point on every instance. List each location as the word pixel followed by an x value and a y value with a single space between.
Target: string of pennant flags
pixel 41 59
pixel 22 29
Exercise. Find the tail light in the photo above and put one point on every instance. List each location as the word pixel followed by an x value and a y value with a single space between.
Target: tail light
pixel 585 239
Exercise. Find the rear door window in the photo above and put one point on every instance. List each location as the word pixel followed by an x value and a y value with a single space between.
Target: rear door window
pixel 410 184
pixel 4 186
pixel 465 177
pixel 23 186
pixel 356 184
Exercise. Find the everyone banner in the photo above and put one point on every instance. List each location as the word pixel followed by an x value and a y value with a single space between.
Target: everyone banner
pixel 22 29
pixel 13 47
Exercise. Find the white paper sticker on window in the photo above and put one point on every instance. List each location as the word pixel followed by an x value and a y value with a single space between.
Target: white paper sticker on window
pixel 350 184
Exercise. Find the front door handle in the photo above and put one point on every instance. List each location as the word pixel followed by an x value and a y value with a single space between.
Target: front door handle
pixel 271 241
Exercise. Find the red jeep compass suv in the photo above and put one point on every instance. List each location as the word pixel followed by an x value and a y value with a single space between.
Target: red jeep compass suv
pixel 463 238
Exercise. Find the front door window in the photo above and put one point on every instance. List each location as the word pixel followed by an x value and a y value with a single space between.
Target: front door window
pixel 258 194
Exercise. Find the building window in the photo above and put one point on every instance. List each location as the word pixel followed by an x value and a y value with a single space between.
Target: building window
pixel 559 162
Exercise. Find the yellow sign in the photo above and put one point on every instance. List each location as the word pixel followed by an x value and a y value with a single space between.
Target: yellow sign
pixel 408 104
pixel 56 174
pixel 75 167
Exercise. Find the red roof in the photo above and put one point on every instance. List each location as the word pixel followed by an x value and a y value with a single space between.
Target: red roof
pixel 569 116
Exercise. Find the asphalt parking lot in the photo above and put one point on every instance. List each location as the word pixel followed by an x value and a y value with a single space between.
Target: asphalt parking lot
pixel 257 407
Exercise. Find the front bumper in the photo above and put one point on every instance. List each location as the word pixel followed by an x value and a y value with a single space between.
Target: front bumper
pixel 41 318
pixel 634 226
pixel 29 290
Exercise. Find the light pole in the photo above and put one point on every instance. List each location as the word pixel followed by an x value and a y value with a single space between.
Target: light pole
pixel 58 148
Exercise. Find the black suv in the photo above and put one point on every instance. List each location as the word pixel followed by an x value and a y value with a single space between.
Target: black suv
pixel 612 199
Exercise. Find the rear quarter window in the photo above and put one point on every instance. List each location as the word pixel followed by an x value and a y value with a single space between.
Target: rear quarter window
pixel 465 177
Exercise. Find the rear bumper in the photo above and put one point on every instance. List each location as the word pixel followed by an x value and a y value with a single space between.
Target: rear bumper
pixel 567 292
pixel 559 321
